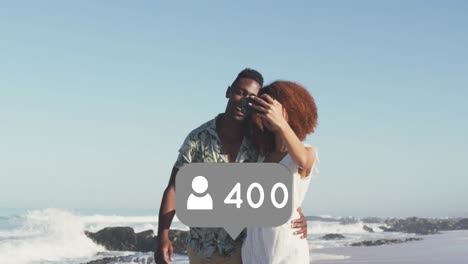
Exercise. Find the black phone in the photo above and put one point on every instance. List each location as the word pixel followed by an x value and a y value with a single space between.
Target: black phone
pixel 246 108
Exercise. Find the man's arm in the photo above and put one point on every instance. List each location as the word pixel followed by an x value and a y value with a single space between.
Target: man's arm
pixel 165 252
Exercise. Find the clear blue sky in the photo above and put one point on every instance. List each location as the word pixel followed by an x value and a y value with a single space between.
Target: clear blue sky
pixel 97 96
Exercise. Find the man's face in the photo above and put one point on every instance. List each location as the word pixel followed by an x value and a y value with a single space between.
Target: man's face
pixel 242 88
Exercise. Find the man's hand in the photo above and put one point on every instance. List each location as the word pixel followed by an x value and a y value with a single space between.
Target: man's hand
pixel 164 253
pixel 300 224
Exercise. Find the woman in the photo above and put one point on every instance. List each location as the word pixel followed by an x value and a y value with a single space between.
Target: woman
pixel 286 114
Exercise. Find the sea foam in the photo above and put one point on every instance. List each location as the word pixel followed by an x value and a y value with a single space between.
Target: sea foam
pixel 57 236
pixel 47 235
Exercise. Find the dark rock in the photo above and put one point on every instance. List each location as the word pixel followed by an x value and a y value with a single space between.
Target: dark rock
pixel 384 228
pixel 146 241
pixel 124 259
pixel 333 236
pixel 425 226
pixel 179 241
pixel 368 228
pixel 461 224
pixel 107 260
pixel 421 226
pixel 125 239
pixel 379 242
pixel 115 238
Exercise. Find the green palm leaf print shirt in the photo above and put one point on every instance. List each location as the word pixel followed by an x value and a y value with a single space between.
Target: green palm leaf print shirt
pixel 204 145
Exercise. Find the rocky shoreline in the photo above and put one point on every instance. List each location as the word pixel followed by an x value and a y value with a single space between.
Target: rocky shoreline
pixel 425 226
pixel 415 225
pixel 125 238
pixel 379 242
pixel 124 259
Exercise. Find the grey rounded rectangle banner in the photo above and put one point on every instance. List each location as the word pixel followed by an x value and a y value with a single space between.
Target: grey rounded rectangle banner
pixel 234 195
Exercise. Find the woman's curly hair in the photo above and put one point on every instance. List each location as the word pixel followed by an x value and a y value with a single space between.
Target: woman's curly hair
pixel 301 113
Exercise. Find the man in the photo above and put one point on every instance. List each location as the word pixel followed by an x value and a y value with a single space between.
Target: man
pixel 219 140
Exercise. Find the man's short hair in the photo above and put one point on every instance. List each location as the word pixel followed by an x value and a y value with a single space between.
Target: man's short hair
pixel 250 74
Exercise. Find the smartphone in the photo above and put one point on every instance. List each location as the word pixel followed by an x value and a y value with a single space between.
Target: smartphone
pixel 246 108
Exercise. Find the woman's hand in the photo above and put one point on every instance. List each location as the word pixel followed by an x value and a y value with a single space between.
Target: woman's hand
pixel 273 115
pixel 271 111
pixel 300 224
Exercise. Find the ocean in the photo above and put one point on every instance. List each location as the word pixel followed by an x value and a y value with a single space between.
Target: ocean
pixel 53 236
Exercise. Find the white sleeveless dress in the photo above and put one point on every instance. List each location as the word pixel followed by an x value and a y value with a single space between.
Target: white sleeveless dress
pixel 278 245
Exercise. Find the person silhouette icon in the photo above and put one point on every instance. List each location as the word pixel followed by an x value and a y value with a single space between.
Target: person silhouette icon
pixel 194 202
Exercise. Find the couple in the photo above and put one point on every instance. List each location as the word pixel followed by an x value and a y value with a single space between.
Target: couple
pixel 284 113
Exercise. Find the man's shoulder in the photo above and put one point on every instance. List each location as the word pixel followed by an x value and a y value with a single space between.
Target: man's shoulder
pixel 209 127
